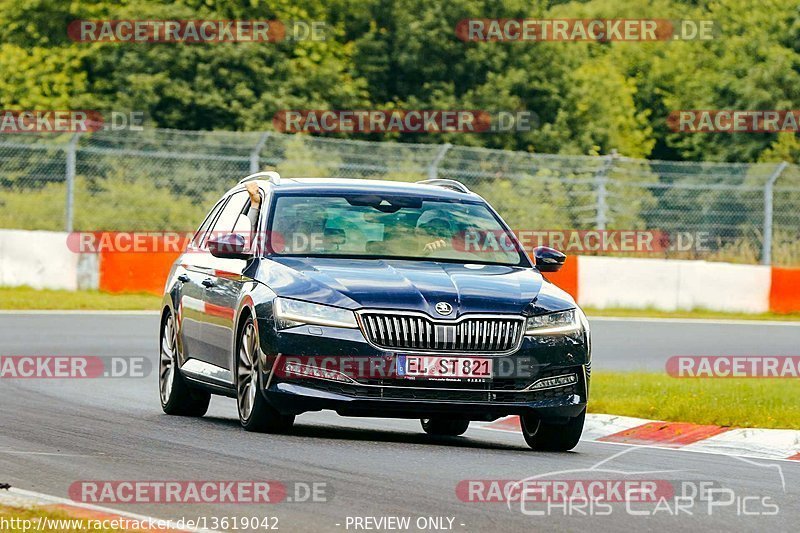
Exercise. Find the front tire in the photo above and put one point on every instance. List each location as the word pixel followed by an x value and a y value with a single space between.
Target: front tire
pixel 552 437
pixel 177 398
pixel 444 427
pixel 255 414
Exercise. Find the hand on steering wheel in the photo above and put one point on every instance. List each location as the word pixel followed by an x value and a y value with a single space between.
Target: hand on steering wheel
pixel 435 245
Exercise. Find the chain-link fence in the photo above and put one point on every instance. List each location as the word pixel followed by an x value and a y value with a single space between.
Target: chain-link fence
pixel 166 180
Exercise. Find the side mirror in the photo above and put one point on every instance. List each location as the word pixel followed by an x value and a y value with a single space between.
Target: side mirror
pixel 230 246
pixel 547 259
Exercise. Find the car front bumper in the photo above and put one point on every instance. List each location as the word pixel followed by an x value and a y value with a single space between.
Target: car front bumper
pixel 389 396
pixel 292 398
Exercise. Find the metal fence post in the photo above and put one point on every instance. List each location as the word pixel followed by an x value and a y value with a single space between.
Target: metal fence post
pixel 601 178
pixel 72 152
pixel 255 155
pixel 766 240
pixel 433 169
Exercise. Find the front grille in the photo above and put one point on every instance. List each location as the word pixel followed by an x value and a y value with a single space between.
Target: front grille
pixel 414 332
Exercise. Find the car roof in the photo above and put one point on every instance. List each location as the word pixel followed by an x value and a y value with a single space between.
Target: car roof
pixel 365 186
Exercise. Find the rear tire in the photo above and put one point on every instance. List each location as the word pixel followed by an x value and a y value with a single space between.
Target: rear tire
pixel 255 413
pixel 444 427
pixel 552 437
pixel 177 398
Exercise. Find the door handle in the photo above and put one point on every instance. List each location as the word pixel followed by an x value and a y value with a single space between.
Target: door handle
pixel 184 278
pixel 208 283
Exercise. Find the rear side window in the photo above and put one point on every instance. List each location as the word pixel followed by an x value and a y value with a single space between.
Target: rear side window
pixel 201 232
pixel 230 215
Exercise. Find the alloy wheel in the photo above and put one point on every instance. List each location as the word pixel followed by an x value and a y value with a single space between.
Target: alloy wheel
pixel 247 371
pixel 167 361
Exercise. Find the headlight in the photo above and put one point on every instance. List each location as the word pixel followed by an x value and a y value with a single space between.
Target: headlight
pixel 553 323
pixel 290 313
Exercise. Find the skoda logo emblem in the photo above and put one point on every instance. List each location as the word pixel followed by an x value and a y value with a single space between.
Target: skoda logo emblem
pixel 444 308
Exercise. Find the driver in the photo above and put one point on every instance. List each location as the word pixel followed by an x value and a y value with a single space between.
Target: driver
pixel 306 233
pixel 434 227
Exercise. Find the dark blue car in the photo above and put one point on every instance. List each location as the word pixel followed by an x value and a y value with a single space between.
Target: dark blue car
pixel 371 298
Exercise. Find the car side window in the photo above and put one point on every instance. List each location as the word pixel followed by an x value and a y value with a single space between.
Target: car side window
pixel 201 231
pixel 227 220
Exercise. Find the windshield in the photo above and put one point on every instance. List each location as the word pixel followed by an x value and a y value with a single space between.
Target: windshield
pixel 376 226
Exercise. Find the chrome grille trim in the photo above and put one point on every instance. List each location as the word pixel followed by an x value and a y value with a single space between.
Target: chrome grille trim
pixel 417 332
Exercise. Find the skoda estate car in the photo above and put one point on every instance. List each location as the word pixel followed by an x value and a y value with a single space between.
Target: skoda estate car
pixel 372 298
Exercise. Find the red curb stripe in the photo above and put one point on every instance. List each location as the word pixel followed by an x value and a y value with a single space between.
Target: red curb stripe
pixel 670 434
pixel 795 457
pixel 506 424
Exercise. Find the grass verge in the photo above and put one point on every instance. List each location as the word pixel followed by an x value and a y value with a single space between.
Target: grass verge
pixel 26 520
pixel 25 298
pixel 740 402
pixel 22 298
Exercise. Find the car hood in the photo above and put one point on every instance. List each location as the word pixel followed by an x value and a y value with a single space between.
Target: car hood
pixel 413 285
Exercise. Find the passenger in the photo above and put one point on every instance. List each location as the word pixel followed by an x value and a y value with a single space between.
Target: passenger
pixel 252 212
pixel 255 205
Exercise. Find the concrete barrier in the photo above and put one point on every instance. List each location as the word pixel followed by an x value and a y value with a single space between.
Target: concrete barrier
pixel 39 259
pixel 723 286
pixel 673 285
pixel 43 260
pixel 606 282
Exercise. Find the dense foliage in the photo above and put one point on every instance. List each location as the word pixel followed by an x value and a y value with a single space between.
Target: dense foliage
pixel 399 54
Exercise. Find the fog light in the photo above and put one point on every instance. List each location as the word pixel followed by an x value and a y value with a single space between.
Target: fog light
pixel 555 381
pixel 306 371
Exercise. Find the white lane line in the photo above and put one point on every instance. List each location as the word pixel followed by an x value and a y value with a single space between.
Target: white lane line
pixel 12 452
pixel 38 498
pixel 708 321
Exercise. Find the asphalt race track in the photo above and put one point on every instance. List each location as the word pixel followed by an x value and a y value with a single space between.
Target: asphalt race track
pixel 56 432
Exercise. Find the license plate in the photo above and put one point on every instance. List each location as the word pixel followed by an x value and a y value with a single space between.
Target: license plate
pixel 436 367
